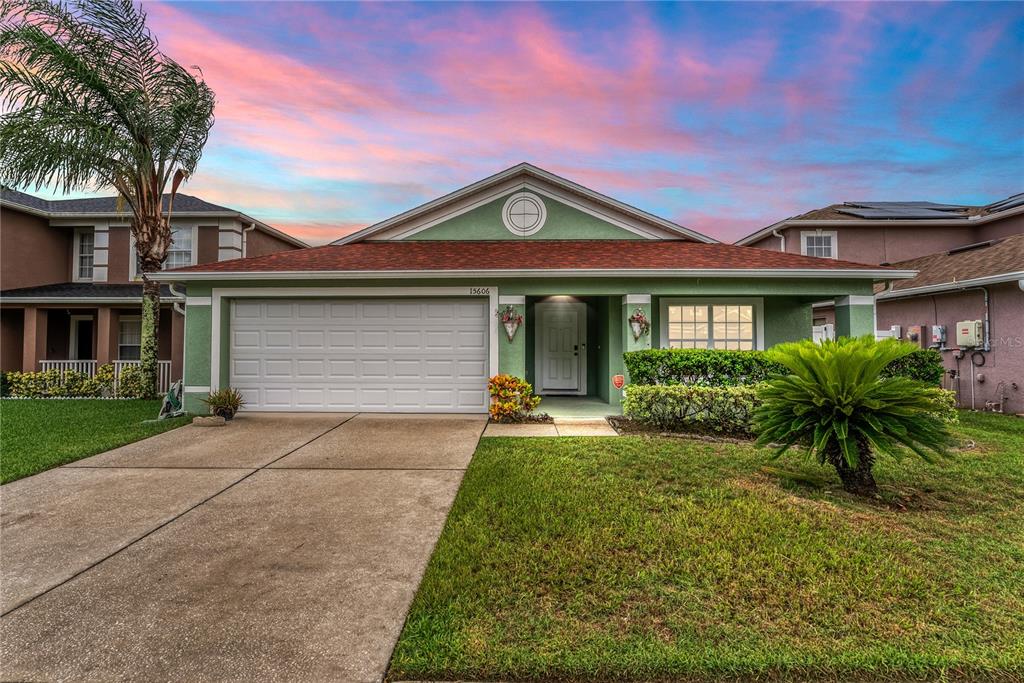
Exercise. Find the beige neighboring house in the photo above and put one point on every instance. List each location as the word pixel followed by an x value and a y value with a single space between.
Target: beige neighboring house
pixel 70 293
pixel 970 263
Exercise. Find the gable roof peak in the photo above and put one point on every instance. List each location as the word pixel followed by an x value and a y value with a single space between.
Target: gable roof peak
pixel 538 173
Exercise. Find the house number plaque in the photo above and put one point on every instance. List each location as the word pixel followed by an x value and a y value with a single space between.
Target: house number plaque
pixel 480 290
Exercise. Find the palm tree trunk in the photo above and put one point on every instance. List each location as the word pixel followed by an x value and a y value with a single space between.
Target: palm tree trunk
pixel 150 334
pixel 858 480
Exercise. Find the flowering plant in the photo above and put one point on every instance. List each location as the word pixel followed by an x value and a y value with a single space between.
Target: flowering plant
pixel 508 314
pixel 512 398
pixel 640 324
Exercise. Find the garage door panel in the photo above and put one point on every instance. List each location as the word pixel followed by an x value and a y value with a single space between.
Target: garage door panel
pixel 404 354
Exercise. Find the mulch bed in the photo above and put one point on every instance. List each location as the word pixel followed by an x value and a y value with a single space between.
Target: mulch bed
pixel 624 425
pixel 538 419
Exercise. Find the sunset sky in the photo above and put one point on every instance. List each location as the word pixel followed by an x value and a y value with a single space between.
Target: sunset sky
pixel 721 117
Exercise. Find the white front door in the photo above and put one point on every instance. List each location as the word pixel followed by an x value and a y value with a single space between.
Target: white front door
pixel 561 347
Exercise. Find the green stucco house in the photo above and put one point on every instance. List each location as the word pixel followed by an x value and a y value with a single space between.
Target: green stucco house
pixel 402 316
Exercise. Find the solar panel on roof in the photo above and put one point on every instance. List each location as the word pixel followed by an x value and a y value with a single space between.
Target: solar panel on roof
pixel 1008 203
pixel 907 205
pixel 896 213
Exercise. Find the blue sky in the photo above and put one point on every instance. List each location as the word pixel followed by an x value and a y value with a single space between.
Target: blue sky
pixel 721 116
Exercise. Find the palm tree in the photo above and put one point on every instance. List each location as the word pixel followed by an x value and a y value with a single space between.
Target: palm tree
pixel 90 102
pixel 834 402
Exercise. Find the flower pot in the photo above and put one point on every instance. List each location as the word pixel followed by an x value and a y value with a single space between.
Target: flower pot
pixel 227 413
pixel 511 327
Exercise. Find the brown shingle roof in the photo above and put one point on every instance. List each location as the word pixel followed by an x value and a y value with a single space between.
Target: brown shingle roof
pixel 993 258
pixel 525 255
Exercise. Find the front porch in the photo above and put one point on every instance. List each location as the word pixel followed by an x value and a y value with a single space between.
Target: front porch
pixel 78 337
pixel 570 346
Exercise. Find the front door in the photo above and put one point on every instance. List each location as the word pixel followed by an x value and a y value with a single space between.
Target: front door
pixel 561 347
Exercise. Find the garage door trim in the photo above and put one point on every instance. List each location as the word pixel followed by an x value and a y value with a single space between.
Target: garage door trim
pixel 218 294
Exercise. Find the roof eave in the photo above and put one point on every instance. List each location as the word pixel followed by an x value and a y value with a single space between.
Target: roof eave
pixel 952 286
pixel 837 273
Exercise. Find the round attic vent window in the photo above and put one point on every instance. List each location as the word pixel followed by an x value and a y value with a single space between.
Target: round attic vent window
pixel 524 213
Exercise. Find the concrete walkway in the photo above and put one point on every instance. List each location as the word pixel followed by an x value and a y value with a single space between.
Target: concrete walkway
pixel 562 426
pixel 280 547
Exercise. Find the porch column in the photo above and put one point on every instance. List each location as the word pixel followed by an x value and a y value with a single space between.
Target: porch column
pixel 512 353
pixel 855 316
pixel 33 347
pixel 631 303
pixel 198 371
pixel 177 344
pixel 106 335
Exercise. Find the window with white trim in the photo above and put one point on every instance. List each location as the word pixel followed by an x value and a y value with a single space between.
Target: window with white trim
pixel 85 243
pixel 818 243
pixel 179 254
pixel 129 338
pixel 711 326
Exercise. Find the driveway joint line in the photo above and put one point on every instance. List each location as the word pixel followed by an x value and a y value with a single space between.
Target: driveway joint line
pixel 169 521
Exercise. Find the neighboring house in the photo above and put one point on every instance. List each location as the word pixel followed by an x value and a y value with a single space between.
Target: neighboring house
pixel 401 316
pixel 971 263
pixel 71 294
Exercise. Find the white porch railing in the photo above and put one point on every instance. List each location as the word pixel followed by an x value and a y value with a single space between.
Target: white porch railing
pixel 88 367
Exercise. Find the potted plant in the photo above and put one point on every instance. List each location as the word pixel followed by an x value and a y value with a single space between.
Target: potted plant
pixel 225 402
pixel 511 319
pixel 639 324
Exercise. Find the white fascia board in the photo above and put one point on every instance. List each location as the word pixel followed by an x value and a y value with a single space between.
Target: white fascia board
pixel 952 286
pixel 171 276
pixel 539 173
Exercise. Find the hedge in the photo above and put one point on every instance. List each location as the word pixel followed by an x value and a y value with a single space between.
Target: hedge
pixel 725 410
pixel 719 410
pixel 722 368
pixel 74 384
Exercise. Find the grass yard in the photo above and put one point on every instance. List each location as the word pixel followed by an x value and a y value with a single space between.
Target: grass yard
pixel 36 435
pixel 670 559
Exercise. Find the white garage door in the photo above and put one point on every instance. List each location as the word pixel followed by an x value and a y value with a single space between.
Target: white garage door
pixel 388 355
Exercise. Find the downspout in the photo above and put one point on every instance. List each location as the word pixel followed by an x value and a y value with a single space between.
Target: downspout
pixel 245 242
pixel 177 306
pixel 782 240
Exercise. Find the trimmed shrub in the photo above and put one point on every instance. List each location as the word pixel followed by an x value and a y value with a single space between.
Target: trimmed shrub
pixel 720 410
pixel 512 398
pixel 722 368
pixel 56 384
pixel 132 383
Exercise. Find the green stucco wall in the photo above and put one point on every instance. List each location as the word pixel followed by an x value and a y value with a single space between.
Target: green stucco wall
pixel 512 354
pixel 484 223
pixel 855 321
pixel 197 355
pixel 786 319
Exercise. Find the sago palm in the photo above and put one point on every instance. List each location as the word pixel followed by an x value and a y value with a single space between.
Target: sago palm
pixel 90 102
pixel 834 403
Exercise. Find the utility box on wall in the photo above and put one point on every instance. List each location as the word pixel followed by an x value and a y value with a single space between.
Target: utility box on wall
pixel 915 334
pixel 938 335
pixel 969 333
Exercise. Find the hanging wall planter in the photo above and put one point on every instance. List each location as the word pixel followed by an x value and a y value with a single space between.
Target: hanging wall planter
pixel 510 320
pixel 639 324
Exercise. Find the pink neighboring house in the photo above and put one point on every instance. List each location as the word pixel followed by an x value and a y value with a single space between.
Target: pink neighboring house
pixel 971 267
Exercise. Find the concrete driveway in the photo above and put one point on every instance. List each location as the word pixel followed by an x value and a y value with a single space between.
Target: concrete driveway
pixel 283 547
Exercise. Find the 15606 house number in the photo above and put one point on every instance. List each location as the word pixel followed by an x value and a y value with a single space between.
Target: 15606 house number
pixel 480 290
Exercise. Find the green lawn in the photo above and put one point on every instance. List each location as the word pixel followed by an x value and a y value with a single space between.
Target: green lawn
pixel 670 559
pixel 36 435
